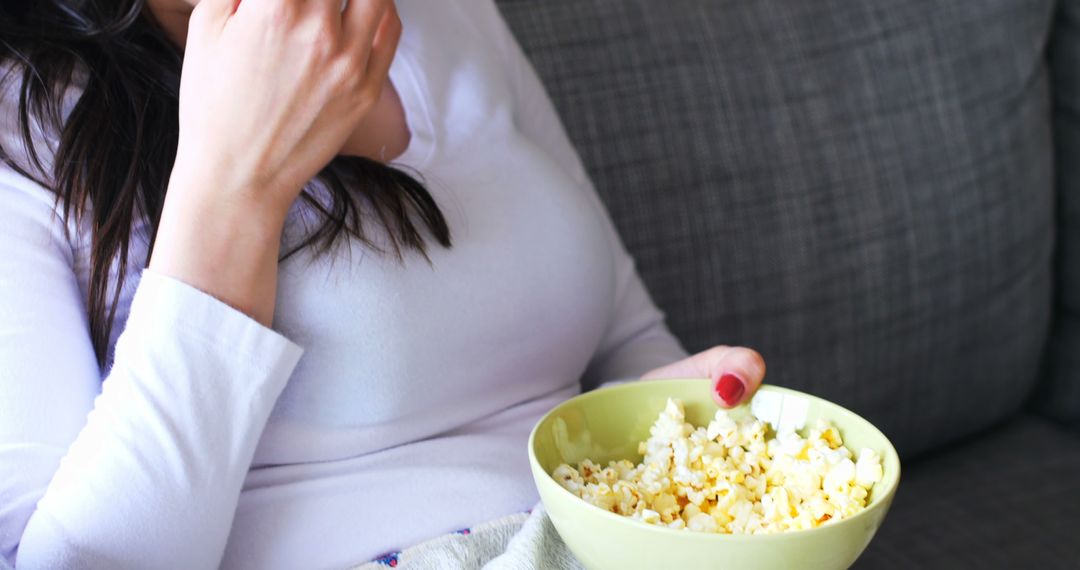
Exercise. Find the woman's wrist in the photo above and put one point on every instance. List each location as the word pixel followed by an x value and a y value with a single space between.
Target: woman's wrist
pixel 222 240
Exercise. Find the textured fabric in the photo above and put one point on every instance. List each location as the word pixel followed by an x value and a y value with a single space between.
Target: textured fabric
pixel 1059 396
pixel 524 541
pixel 536 545
pixel 1007 499
pixel 465 549
pixel 409 413
pixel 861 190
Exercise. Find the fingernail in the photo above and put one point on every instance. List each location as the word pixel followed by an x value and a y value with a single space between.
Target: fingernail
pixel 730 388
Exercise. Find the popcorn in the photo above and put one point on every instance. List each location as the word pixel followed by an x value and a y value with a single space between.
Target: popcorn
pixel 868 468
pixel 730 477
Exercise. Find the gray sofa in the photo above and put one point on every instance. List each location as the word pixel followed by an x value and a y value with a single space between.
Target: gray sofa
pixel 883 197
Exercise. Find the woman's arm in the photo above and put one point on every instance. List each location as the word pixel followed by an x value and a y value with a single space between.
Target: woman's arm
pixel 145 468
pixel 270 92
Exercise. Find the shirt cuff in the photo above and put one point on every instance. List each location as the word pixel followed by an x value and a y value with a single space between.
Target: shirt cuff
pixel 163 306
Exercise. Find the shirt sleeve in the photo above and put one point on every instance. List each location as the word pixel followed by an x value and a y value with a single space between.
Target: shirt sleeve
pixel 144 468
pixel 637 340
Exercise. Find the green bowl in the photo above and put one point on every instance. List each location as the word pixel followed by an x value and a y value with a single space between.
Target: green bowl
pixel 607 424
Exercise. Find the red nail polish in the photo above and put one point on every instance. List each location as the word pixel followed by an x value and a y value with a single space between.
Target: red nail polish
pixel 730 389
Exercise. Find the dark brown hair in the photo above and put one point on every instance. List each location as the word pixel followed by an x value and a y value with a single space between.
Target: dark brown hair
pixel 114 152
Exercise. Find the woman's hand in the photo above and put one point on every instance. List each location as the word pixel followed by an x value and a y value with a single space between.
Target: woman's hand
pixel 270 91
pixel 736 372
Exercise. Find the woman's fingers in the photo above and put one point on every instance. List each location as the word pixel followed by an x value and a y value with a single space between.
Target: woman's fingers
pixel 329 10
pixel 736 372
pixel 383 47
pixel 291 11
pixel 360 22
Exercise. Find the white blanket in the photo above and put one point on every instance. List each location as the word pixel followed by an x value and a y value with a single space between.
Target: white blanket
pixel 525 541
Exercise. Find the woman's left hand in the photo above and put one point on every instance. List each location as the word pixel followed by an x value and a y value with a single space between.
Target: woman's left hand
pixel 736 372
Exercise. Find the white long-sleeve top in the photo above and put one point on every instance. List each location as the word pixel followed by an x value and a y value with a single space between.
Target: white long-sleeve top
pixel 390 403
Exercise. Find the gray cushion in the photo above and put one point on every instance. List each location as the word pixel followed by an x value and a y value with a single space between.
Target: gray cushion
pixel 1010 499
pixel 1060 395
pixel 861 190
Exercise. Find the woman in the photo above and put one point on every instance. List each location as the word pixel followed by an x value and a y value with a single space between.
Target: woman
pixel 201 436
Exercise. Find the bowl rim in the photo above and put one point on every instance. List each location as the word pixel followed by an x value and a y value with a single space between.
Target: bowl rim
pixel 889 457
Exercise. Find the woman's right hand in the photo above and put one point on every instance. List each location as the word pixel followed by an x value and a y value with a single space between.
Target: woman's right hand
pixel 270 91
